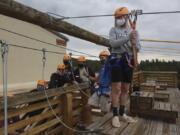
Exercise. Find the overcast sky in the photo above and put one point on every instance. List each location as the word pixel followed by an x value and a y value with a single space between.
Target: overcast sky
pixel 161 27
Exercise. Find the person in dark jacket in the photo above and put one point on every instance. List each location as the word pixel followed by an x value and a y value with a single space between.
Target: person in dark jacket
pixel 68 73
pixel 57 79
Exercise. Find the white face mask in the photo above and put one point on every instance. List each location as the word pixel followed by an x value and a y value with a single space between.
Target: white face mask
pixel 120 22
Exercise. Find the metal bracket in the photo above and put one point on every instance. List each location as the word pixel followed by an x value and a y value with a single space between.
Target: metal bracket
pixel 44 55
pixel 4 48
pixel 136 12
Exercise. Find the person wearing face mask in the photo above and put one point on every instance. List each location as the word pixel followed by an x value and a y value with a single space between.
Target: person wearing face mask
pixel 83 71
pixel 57 79
pixel 68 73
pixel 121 61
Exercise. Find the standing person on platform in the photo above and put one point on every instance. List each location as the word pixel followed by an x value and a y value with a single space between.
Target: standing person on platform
pixel 122 37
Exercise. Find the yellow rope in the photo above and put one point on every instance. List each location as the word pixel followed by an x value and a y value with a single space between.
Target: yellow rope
pixel 162 48
pixel 152 40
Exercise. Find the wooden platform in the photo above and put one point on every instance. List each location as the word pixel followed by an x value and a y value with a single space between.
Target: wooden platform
pixel 161 95
pixel 143 126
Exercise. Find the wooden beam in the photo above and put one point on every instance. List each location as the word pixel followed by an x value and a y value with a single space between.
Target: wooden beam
pixel 34 96
pixel 28 14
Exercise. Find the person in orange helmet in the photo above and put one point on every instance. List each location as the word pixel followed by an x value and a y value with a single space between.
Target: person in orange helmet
pixel 41 86
pixel 68 73
pixel 83 71
pixel 57 79
pixel 121 37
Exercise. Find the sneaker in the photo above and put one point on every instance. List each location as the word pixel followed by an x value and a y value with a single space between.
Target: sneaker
pixel 126 118
pixel 115 122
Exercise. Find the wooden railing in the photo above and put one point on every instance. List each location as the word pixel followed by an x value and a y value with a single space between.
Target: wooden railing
pixel 23 111
pixel 171 78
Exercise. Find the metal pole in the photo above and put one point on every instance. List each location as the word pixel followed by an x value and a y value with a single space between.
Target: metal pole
pixel 4 52
pixel 44 62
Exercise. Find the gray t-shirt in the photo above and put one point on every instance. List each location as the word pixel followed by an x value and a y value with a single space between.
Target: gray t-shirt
pixel 120 40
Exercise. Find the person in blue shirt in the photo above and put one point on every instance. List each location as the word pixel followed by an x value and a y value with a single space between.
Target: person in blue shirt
pixel 101 96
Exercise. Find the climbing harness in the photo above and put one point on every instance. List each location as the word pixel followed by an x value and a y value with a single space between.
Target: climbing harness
pixel 104 82
pixel 4 54
pixel 123 61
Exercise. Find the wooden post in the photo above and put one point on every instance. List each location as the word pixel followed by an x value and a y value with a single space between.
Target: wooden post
pixel 176 79
pixel 86 110
pixel 19 11
pixel 67 112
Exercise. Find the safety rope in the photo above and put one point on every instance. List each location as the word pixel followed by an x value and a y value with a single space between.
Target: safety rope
pixel 164 41
pixel 4 51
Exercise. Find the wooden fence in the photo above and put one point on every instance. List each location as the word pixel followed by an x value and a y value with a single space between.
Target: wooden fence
pixel 171 78
pixel 31 114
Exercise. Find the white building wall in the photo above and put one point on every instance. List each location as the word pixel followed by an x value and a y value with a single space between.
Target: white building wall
pixel 25 66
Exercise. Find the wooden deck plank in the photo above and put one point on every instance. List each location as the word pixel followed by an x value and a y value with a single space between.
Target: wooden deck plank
pixel 101 121
pixel 152 128
pixel 165 128
pixel 159 128
pixel 133 128
pixel 173 130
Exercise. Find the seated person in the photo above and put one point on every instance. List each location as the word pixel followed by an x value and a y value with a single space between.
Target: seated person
pixel 41 85
pixel 57 79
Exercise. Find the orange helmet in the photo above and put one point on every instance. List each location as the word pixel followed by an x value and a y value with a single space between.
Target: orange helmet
pixel 81 59
pixel 61 66
pixel 66 57
pixel 10 95
pixel 121 11
pixel 104 53
pixel 41 82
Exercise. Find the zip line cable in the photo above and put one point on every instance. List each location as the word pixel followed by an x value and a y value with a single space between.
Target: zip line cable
pixel 45 42
pixel 79 51
pixel 109 15
pixel 40 50
pixel 62 53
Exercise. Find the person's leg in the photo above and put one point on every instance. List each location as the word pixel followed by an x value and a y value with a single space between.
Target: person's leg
pixel 123 98
pixel 86 112
pixel 105 104
pixel 116 90
pixel 123 101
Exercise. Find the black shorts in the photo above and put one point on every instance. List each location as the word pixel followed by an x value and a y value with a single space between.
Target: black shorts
pixel 122 73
